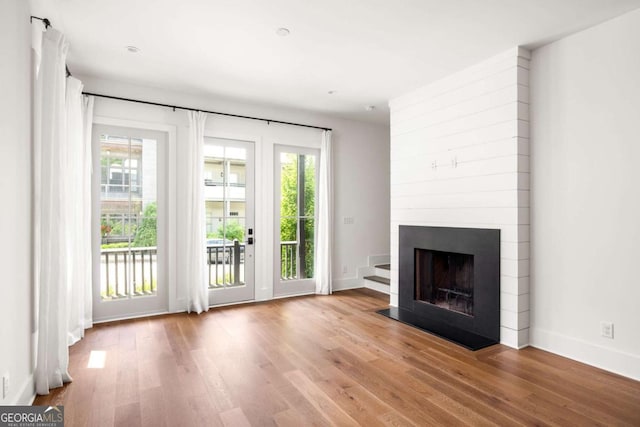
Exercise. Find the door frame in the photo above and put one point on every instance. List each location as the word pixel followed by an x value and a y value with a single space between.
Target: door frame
pixel 167 238
pixel 251 178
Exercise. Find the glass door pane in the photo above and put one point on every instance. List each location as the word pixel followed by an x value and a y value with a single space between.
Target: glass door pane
pixel 228 210
pixel 128 217
pixel 296 188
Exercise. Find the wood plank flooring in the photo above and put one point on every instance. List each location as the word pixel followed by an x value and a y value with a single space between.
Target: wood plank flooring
pixel 324 361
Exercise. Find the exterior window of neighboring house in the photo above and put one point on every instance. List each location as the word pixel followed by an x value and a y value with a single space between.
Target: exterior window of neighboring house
pixel 121 185
pixel 217 199
pixel 121 173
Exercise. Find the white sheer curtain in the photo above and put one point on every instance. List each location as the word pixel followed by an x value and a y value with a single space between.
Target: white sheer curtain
pixel 325 219
pixel 79 112
pixel 87 129
pixel 195 273
pixel 52 226
pixel 62 210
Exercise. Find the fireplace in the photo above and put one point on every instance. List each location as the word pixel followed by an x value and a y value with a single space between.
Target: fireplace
pixel 449 283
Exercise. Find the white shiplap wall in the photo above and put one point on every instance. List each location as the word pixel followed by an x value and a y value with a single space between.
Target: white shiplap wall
pixel 460 158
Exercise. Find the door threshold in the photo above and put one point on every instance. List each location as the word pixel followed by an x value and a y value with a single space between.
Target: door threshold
pixel 135 316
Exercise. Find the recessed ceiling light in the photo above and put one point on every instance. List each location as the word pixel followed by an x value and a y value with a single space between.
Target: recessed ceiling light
pixel 133 49
pixel 283 32
pixel 370 107
pixel 331 92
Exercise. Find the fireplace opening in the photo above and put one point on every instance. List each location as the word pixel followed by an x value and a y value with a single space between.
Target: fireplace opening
pixel 444 279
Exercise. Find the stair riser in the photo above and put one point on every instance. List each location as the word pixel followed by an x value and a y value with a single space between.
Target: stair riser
pixel 383 273
pixel 380 287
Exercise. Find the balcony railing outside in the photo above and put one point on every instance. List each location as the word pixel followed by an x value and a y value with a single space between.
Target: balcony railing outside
pixel 133 272
pixel 288 260
pixel 128 272
pixel 225 265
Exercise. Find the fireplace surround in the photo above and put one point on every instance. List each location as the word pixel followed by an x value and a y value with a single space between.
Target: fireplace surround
pixel 449 283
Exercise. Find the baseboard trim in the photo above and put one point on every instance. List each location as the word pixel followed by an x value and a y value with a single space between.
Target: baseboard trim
pixel 618 362
pixel 346 284
pixel 130 317
pixel 27 393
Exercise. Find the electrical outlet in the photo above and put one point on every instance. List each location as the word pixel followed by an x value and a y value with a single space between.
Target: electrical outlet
pixel 606 329
pixel 345 269
pixel 348 220
pixel 5 385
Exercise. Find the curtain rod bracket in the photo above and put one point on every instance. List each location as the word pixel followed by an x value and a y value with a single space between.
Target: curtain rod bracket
pixel 45 21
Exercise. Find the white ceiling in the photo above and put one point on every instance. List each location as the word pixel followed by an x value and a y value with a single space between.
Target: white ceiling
pixel 368 51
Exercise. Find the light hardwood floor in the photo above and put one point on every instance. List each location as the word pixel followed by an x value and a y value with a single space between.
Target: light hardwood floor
pixel 324 361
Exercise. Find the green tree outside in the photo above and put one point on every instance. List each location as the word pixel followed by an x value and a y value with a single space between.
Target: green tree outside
pixel 234 230
pixel 147 233
pixel 289 215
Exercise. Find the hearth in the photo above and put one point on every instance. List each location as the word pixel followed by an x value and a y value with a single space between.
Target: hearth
pixel 449 283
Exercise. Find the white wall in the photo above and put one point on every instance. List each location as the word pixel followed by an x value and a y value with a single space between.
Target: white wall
pixel 361 168
pixel 15 187
pixel 478 118
pixel 585 206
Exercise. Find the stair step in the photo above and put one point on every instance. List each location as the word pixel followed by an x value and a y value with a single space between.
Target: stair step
pixel 383 266
pixel 378 279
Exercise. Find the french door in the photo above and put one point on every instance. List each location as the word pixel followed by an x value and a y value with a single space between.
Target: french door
pixel 129 272
pixel 229 210
pixel 296 178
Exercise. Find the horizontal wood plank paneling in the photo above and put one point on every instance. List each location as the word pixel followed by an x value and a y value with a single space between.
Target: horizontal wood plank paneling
pixel 468 199
pixel 460 158
pixel 439 112
pixel 465 149
pixel 482 71
pixel 452 166
pixel 488 116
pixel 462 185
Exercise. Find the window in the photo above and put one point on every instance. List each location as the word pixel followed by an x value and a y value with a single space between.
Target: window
pixel 296 178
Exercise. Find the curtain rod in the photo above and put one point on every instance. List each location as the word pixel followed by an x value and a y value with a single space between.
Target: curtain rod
pixel 47 24
pixel 177 107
